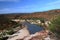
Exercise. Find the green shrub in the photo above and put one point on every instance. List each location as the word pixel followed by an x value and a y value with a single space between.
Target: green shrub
pixel 55 25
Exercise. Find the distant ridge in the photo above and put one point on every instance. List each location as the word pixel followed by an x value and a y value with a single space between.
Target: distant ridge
pixel 46 14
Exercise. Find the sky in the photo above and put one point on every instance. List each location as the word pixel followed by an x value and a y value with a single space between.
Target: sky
pixel 27 6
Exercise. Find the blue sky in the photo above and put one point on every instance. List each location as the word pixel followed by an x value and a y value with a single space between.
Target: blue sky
pixel 27 6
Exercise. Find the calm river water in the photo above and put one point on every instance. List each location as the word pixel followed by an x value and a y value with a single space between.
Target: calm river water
pixel 33 28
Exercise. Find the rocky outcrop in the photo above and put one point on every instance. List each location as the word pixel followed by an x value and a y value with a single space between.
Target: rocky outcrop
pixel 19 35
pixel 43 35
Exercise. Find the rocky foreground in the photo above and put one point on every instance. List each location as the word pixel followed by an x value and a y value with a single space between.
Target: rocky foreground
pixel 24 35
pixel 43 35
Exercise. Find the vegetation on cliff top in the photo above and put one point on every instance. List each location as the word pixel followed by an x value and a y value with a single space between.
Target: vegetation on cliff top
pixel 55 26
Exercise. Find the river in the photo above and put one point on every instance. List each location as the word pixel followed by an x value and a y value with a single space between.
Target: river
pixel 33 28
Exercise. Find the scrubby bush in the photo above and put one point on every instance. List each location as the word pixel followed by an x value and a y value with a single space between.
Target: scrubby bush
pixel 55 25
